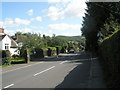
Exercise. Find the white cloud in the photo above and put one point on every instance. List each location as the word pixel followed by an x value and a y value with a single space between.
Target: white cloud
pixel 36 27
pixel 37 19
pixel 1 24
pixel 64 26
pixel 10 32
pixel 19 21
pixel 54 14
pixel 9 22
pixel 30 12
pixel 26 30
pixel 23 30
pixel 73 8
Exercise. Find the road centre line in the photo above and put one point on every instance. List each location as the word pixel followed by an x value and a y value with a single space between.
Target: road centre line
pixel 21 67
pixel 44 71
pixel 9 86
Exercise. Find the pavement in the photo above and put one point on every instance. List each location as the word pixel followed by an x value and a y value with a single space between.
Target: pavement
pixel 96 75
pixel 76 70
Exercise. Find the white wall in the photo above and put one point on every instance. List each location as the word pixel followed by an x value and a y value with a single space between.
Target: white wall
pixel 6 40
pixel 14 51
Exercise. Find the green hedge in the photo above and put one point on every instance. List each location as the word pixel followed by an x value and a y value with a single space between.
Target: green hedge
pixel 110 58
pixel 51 51
pixel 58 49
pixel 5 57
pixel 6 53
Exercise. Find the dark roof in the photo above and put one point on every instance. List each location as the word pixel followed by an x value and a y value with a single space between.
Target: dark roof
pixel 13 43
pixel 19 38
pixel 2 36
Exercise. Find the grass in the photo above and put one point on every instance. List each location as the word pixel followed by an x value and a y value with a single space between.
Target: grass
pixel 5 66
pixel 14 61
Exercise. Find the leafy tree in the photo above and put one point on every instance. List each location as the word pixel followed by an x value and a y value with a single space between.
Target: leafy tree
pixel 96 16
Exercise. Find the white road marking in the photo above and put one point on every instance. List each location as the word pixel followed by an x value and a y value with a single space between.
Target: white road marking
pixel 9 86
pixel 21 67
pixel 63 62
pixel 44 71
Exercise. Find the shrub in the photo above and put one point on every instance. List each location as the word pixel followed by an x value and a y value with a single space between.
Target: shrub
pixel 15 56
pixel 6 53
pixel 63 50
pixel 49 52
pixel 39 53
pixel 23 54
pixel 58 49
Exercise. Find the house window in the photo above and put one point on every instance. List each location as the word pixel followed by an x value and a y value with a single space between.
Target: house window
pixel 6 46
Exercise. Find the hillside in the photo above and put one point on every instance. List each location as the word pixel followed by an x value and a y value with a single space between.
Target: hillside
pixel 72 38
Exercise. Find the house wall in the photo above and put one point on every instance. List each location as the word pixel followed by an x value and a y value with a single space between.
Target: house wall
pixel 6 40
pixel 14 51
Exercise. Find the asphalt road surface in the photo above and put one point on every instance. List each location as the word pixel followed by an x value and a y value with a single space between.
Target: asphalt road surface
pixel 66 71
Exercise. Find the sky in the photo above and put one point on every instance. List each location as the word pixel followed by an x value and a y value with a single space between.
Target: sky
pixel 60 17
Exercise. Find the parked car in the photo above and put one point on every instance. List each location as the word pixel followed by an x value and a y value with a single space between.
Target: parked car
pixel 71 51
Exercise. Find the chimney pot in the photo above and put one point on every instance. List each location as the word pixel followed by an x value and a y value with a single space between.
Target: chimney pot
pixel 1 30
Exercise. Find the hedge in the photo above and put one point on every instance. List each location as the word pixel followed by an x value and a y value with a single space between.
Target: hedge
pixel 6 53
pixel 5 57
pixel 110 58
pixel 51 51
pixel 42 52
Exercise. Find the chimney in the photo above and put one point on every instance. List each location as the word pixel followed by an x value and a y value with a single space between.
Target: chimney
pixel 1 30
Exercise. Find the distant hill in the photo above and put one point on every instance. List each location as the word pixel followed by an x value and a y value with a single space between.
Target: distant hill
pixel 72 38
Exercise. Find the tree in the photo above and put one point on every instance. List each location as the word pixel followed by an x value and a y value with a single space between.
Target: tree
pixel 95 18
pixel 30 42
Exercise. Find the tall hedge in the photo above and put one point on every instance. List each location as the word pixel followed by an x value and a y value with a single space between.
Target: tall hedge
pixel 51 51
pixel 6 53
pixel 39 53
pixel 110 58
pixel 58 49
pixel 5 56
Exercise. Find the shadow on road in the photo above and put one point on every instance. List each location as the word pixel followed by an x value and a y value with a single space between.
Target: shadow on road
pixel 63 57
pixel 78 77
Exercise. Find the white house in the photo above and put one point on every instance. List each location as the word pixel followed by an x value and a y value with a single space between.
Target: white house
pixel 7 43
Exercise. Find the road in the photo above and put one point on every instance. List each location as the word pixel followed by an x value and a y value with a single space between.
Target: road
pixel 66 71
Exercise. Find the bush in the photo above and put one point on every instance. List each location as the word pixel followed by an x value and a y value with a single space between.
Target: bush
pixel 51 51
pixel 23 54
pixel 15 56
pixel 15 61
pixel 58 49
pixel 63 50
pixel 39 53
pixel 6 53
